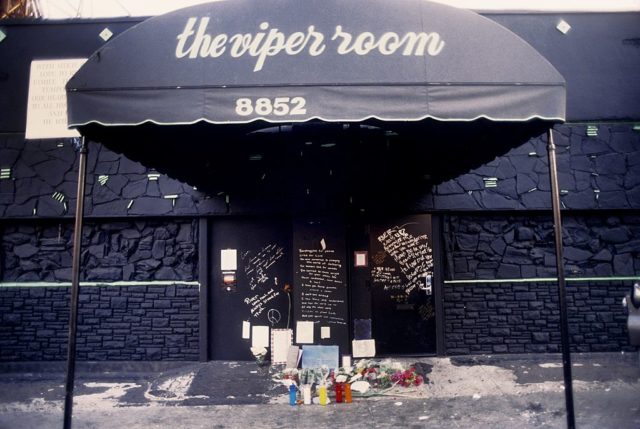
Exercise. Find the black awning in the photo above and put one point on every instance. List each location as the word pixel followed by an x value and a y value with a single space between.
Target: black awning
pixel 284 61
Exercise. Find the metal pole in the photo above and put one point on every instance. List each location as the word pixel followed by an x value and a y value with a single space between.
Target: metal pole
pixel 564 322
pixel 75 286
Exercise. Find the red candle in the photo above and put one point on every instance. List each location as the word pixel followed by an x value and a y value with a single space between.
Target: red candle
pixel 338 392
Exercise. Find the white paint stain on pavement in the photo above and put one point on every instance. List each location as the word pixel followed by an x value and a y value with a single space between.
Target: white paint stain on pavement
pixel 550 365
pixel 172 389
pixel 108 398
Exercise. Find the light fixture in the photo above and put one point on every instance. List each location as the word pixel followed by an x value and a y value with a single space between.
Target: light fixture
pixel 490 182
pixel 58 196
pixel 106 34
pixel 563 26
pixel 173 199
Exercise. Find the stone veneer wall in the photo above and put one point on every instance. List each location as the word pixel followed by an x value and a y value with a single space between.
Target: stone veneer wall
pixel 114 323
pixel 597 171
pixel 513 246
pixel 142 322
pixel 524 317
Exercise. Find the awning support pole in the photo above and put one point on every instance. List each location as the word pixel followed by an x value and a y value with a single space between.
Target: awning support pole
pixel 564 322
pixel 75 286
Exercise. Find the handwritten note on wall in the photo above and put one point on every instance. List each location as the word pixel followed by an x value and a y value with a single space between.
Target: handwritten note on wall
pixel 256 267
pixel 323 286
pixel 412 253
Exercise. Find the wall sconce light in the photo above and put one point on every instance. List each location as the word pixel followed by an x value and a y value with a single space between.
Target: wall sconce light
pixel 106 34
pixel 490 182
pixel 563 26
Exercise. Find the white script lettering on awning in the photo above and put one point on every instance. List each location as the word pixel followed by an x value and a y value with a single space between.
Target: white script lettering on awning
pixel 195 41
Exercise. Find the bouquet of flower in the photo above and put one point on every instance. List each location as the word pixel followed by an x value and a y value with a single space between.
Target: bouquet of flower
pixel 260 354
pixel 407 378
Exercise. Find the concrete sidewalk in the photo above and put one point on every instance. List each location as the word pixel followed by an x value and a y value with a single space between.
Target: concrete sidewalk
pixel 524 391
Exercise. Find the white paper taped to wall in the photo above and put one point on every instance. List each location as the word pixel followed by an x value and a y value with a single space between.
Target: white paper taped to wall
pixel 304 332
pixel 363 348
pixel 325 332
pixel 246 330
pixel 229 260
pixel 260 336
pixel 280 342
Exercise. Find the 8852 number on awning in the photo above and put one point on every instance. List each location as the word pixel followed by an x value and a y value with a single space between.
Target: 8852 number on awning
pixel 278 106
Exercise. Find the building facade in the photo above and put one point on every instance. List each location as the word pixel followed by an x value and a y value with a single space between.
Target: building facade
pixel 340 200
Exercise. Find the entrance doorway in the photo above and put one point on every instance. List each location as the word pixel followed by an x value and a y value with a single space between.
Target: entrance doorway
pixel 391 294
pixel 262 250
pixel 399 283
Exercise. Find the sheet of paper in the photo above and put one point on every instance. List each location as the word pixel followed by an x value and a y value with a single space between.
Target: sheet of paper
pixel 325 332
pixel 304 332
pixel 346 361
pixel 260 336
pixel 361 259
pixel 229 259
pixel 319 356
pixel 280 342
pixel 293 357
pixel 246 330
pixel 363 348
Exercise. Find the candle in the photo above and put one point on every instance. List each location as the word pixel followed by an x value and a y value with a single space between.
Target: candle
pixel 292 394
pixel 338 392
pixel 347 393
pixel 323 394
pixel 306 394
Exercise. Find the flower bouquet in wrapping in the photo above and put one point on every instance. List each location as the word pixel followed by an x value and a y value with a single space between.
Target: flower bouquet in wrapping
pixel 260 355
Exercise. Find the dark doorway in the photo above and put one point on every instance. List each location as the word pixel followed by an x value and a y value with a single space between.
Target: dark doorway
pixel 264 261
pixel 400 284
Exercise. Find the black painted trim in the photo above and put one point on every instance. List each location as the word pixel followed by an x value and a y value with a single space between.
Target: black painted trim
pixel 203 274
pixel 438 281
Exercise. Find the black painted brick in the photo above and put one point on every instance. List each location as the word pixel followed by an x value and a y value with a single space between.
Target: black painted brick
pixel 594 326
pixel 39 329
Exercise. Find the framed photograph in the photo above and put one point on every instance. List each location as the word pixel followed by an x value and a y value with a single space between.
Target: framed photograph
pixel 360 258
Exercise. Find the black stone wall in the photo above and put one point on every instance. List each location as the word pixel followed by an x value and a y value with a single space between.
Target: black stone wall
pixel 146 322
pixel 42 183
pixel 114 323
pixel 514 246
pixel 598 168
pixel 525 317
pixel 112 251
pixel 596 171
